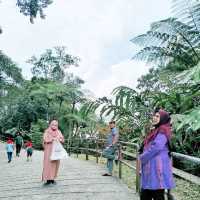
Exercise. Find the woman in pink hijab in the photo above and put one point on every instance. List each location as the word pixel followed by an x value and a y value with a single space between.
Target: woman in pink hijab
pixel 50 168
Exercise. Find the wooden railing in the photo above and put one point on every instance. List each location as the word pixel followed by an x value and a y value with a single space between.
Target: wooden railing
pixel 129 152
pixel 95 147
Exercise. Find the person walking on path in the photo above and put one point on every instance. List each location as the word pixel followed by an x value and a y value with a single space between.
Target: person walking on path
pixel 19 143
pixel 111 147
pixel 155 161
pixel 9 149
pixel 29 150
pixel 50 168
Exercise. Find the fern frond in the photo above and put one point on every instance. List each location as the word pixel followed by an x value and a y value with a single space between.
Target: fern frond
pixel 188 12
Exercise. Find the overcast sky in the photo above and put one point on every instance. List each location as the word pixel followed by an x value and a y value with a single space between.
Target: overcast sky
pixel 98 31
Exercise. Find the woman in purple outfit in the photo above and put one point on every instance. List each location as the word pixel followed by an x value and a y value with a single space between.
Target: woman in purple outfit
pixel 156 164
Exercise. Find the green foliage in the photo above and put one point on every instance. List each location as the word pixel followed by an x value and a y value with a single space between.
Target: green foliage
pixel 191 76
pixel 28 106
pixel 52 64
pixel 32 8
pixel 11 132
pixel 9 71
pixel 127 108
pixel 37 131
pixel 191 119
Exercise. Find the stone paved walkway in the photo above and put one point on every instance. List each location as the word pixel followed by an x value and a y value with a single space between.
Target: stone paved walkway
pixel 77 180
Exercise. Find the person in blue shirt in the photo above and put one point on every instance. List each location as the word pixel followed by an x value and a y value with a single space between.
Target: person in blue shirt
pixel 9 149
pixel 111 143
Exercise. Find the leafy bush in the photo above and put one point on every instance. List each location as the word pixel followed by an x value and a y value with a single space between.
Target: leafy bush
pixel 37 130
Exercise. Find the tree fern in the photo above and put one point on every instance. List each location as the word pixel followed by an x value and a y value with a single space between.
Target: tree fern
pixel 169 40
pixel 187 11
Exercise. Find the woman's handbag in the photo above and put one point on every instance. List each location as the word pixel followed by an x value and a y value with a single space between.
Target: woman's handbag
pixel 58 152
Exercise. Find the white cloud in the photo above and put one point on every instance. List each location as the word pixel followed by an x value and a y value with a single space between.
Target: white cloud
pixel 96 30
pixel 125 73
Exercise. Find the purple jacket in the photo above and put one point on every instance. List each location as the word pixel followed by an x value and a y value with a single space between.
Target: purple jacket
pixel 156 165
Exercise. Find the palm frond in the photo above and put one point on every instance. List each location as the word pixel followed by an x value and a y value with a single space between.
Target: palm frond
pixel 125 97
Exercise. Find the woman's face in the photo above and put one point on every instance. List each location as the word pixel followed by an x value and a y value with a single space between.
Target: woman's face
pixel 54 125
pixel 156 118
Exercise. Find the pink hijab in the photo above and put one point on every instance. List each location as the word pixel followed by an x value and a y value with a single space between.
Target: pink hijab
pixel 52 132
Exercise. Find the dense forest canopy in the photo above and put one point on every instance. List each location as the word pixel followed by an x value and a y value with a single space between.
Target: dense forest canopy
pixel 52 92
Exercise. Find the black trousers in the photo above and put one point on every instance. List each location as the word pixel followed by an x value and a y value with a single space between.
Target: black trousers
pixel 152 195
pixel 18 149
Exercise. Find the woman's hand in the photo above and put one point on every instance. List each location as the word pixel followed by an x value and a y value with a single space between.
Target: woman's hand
pixel 61 139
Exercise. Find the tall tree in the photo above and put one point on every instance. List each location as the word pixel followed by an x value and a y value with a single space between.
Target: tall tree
pixel 53 63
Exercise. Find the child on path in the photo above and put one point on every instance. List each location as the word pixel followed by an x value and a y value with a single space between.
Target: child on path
pixel 29 149
pixel 9 149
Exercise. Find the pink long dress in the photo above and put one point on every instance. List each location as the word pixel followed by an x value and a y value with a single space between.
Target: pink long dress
pixel 50 168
